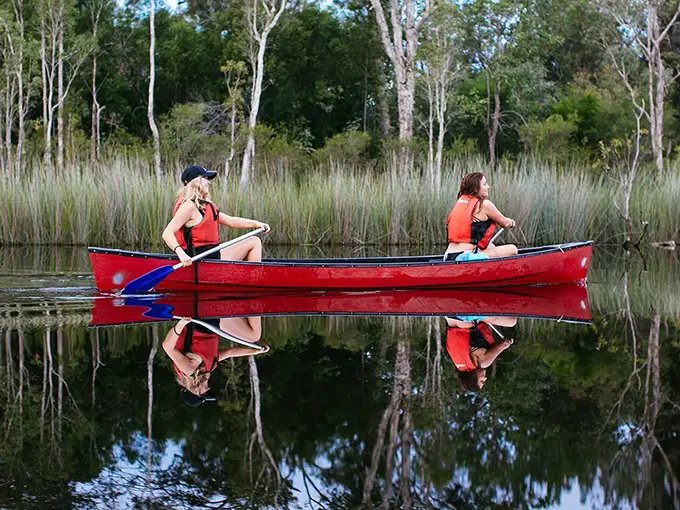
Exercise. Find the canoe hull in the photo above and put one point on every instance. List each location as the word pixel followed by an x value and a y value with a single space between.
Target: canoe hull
pixel 113 269
pixel 567 302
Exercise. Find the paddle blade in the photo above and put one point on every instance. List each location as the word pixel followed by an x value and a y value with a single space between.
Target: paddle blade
pixel 147 281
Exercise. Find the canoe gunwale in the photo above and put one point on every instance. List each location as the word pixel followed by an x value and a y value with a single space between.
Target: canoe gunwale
pixel 423 260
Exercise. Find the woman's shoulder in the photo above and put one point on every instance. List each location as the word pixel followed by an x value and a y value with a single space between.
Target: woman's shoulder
pixel 184 204
pixel 488 205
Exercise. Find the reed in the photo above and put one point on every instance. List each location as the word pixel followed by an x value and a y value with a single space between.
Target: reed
pixel 120 203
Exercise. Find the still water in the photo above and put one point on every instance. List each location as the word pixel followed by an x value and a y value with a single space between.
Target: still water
pixel 359 411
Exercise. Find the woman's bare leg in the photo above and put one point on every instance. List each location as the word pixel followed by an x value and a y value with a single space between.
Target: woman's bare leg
pixel 506 322
pixel 249 249
pixel 494 252
pixel 246 328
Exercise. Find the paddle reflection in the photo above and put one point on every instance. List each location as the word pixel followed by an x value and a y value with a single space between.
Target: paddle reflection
pixel 194 346
pixel 472 346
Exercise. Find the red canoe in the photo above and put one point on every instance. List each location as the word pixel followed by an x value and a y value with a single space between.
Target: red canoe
pixel 546 265
pixel 567 302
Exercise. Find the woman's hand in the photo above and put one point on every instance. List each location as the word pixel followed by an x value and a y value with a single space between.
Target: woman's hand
pixel 511 224
pixel 508 342
pixel 183 257
pixel 264 226
pixel 181 324
pixel 265 348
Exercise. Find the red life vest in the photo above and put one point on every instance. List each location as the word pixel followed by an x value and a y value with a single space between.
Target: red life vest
pixel 207 232
pixel 206 345
pixel 458 345
pixel 459 223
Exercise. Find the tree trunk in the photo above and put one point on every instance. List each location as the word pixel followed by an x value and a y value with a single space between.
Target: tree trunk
pixel 493 121
pixel 94 132
pixel 259 36
pixel 402 54
pixel 46 98
pixel 431 107
pixel 441 102
pixel 60 96
pixel 152 81
pixel 384 107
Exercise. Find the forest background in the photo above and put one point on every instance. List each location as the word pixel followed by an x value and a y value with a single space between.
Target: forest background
pixel 339 122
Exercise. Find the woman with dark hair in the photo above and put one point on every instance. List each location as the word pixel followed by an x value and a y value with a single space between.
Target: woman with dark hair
pixel 473 219
pixel 472 347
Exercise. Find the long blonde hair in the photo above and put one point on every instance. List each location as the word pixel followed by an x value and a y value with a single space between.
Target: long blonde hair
pixel 193 382
pixel 193 192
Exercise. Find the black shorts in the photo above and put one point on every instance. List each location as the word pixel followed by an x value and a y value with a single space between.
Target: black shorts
pixel 213 256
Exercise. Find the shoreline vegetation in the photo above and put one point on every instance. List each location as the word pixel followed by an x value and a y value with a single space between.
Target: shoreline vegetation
pixel 120 203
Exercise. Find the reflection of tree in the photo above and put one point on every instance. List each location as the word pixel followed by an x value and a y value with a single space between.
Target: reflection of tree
pixel 268 476
pixel 643 457
pixel 399 404
pixel 364 415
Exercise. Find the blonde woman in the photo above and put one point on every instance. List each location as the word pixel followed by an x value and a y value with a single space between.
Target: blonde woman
pixel 195 351
pixel 194 227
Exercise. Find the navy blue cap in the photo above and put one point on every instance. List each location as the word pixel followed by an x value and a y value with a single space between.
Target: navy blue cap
pixel 193 171
pixel 194 400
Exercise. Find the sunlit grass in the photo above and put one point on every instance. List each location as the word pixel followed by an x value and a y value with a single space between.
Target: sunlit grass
pixel 119 203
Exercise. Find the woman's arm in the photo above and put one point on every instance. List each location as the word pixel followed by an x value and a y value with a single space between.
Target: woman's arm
pixel 495 215
pixel 178 358
pixel 238 352
pixel 486 359
pixel 181 217
pixel 236 222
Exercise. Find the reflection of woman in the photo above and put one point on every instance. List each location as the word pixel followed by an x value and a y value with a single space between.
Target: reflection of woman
pixel 194 351
pixel 195 224
pixel 472 347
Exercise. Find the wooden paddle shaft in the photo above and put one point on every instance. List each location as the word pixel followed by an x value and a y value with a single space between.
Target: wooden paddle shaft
pixel 221 246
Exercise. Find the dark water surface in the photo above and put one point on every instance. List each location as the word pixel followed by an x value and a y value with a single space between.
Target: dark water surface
pixel 343 411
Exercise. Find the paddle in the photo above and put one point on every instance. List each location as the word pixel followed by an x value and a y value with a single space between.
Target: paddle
pixel 148 281
pixel 496 235
pixel 223 334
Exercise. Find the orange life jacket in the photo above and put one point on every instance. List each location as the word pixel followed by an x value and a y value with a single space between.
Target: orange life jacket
pixel 205 233
pixel 458 345
pixel 459 223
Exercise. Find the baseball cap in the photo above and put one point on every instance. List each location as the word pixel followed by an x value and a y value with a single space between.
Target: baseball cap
pixel 193 171
pixel 194 400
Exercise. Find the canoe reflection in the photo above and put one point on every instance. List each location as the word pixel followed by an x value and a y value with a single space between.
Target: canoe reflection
pixel 472 346
pixel 194 348
pixel 560 302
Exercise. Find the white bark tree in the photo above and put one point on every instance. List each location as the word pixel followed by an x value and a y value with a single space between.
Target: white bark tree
pixel 18 64
pixel 262 16
pixel 646 35
pixel 400 41
pixel 59 65
pixel 152 83
pixel 439 68
pixel 233 74
pixel 96 8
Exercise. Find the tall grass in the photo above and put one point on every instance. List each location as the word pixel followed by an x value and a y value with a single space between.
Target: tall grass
pixel 119 203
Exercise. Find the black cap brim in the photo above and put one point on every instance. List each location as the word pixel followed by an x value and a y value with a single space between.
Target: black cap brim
pixel 194 400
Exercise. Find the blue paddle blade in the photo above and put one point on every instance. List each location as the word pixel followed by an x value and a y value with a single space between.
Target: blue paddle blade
pixel 147 281
pixel 155 310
